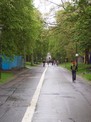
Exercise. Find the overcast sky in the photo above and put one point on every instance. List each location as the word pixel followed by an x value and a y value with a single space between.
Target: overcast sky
pixel 48 8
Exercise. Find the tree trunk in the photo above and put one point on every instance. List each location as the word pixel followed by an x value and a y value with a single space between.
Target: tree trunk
pixel 32 60
pixel 87 56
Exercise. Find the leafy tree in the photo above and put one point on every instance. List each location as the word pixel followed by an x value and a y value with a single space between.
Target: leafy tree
pixel 22 29
pixel 83 26
pixel 16 17
pixel 73 28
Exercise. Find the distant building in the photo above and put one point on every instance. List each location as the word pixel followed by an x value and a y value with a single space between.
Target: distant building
pixel 48 57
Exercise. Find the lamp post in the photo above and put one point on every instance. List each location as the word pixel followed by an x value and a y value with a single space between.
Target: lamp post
pixel 77 58
pixel 1 27
pixel 76 55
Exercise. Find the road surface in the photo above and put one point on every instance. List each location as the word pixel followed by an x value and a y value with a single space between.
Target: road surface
pixel 45 94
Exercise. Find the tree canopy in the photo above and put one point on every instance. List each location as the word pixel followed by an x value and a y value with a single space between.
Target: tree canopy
pixel 24 32
pixel 72 34
pixel 22 27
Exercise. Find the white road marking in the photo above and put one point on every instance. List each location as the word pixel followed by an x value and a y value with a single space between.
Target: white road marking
pixel 30 110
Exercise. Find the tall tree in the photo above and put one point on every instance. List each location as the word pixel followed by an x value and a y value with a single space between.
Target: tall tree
pixel 23 26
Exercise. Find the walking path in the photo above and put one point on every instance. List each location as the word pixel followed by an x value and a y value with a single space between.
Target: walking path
pixel 45 94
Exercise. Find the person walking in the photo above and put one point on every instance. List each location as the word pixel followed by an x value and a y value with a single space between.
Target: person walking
pixel 74 68
pixel 57 62
pixel 43 63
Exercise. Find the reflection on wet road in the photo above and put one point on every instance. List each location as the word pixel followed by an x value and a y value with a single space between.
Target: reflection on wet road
pixel 59 100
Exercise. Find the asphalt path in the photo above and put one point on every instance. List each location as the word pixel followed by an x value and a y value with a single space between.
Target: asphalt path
pixel 16 95
pixel 45 94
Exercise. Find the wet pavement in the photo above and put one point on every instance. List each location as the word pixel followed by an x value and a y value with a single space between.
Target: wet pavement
pixel 60 100
pixel 16 95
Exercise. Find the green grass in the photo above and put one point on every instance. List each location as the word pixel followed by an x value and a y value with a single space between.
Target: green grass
pixel 87 76
pixel 34 64
pixel 83 69
pixel 28 63
pixel 5 76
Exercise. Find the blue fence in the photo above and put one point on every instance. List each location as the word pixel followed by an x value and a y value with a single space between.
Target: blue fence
pixel 16 62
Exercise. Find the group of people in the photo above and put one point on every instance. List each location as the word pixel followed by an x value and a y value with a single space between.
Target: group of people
pixel 53 62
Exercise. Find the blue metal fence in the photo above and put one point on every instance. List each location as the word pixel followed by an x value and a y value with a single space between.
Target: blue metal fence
pixel 16 62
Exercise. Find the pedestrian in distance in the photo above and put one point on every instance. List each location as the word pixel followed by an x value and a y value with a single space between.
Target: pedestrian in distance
pixel 43 63
pixel 57 62
pixel 74 68
pixel 52 62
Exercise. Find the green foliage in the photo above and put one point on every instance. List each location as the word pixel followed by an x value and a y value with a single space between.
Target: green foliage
pixel 73 28
pixel 61 42
pixel 24 33
pixel 22 27
pixel 16 18
pixel 83 24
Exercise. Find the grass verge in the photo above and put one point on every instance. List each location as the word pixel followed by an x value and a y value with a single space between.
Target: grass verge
pixel 8 75
pixel 34 64
pixel 5 76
